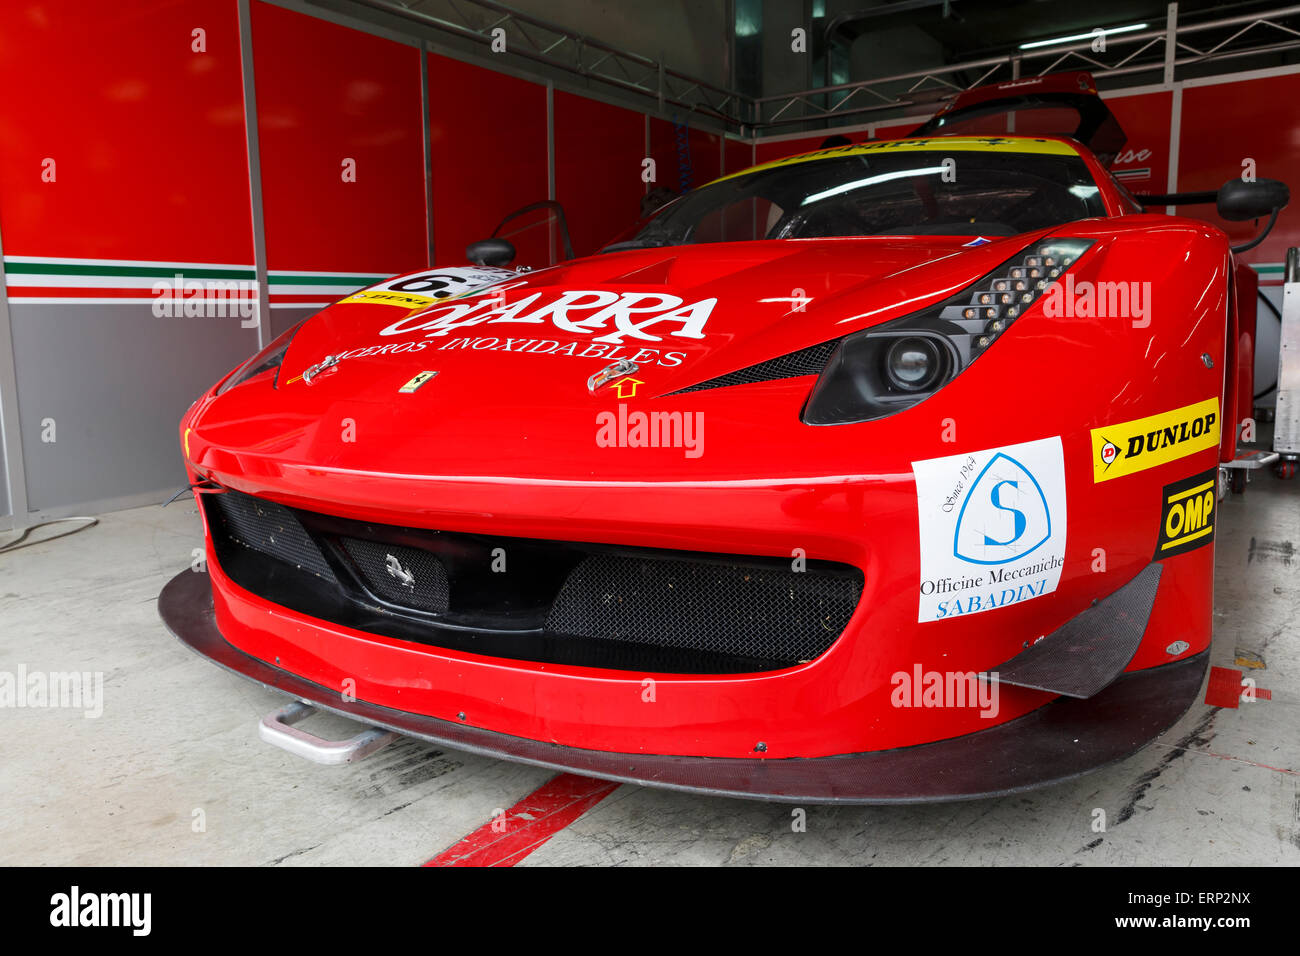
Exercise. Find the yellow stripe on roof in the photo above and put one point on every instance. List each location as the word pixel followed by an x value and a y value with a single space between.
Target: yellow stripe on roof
pixel 931 144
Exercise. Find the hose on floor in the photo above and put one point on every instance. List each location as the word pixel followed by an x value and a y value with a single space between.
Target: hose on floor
pixel 17 543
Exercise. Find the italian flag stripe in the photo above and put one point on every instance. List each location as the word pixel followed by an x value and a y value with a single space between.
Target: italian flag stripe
pixel 190 272
pixel 348 281
pixel 36 279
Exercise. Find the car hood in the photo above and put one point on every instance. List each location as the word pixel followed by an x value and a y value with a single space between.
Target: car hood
pixel 684 314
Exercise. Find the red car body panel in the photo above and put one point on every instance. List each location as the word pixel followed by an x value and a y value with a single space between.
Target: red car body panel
pixel 502 443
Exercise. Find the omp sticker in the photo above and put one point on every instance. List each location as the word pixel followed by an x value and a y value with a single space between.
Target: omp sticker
pixel 423 289
pixel 992 526
pixel 1130 447
pixel 1187 514
pixel 944 144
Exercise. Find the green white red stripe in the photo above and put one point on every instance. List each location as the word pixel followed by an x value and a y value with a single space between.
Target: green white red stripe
pixel 295 289
pixel 51 280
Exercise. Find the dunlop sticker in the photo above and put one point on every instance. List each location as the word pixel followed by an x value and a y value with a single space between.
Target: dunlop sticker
pixel 1129 447
pixel 1187 514
pixel 382 297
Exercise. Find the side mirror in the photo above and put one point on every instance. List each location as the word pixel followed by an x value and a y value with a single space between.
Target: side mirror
pixel 1238 201
pixel 490 252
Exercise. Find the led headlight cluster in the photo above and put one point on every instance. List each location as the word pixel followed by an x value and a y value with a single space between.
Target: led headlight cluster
pixel 889 367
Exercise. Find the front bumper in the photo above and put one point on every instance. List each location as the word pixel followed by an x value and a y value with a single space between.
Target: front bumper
pixel 1054 743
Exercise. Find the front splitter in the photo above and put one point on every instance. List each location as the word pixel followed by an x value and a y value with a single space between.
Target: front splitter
pixel 1061 740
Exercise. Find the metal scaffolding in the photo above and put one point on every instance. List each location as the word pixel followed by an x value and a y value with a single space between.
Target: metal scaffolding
pixel 1163 50
pixel 559 48
pixel 1147 51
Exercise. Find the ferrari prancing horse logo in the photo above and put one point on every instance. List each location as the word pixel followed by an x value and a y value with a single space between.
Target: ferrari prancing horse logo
pixel 395 570
pixel 416 382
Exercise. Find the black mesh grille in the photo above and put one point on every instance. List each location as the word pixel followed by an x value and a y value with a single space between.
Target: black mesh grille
pixel 411 577
pixel 562 602
pixel 269 528
pixel 762 612
pixel 809 361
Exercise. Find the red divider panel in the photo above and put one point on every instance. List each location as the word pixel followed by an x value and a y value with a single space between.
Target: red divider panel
pixel 489 159
pixel 1143 164
pixel 146 134
pixel 327 94
pixel 598 154
pixel 1227 123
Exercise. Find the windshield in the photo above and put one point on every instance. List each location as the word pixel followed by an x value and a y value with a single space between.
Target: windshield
pixel 907 193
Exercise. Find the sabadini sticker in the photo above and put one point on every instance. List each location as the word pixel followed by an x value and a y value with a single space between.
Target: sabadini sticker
pixel 992 526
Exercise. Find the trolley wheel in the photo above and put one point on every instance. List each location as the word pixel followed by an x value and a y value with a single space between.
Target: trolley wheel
pixel 1285 468
pixel 1237 481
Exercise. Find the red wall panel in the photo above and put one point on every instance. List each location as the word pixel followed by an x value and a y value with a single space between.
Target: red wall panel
pixel 598 154
pixel 326 93
pixel 1227 123
pixel 704 153
pixel 489 159
pixel 738 155
pixel 146 134
pixel 1143 164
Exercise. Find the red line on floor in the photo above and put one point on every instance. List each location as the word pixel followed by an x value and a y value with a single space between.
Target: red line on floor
pixel 528 824
pixel 1224 688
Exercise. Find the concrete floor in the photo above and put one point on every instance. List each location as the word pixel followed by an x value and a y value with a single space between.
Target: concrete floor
pixel 173 771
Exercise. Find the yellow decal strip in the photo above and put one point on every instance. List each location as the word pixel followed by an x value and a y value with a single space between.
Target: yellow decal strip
pixel 379 297
pixel 965 144
pixel 1126 448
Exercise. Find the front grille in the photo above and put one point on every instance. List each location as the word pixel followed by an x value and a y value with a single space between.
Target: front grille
pixel 267 527
pixel 410 577
pixel 638 609
pixel 774 613
pixel 809 361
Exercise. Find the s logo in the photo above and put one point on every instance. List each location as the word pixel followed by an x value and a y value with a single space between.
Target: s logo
pixel 1004 515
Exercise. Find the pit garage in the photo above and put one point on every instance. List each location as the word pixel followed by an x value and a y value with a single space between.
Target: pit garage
pixel 579 433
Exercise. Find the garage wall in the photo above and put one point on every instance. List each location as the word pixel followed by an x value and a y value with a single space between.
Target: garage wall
pixel 341 144
pixel 1224 124
pixel 598 152
pixel 149 177
pixel 1143 165
pixel 123 166
pixel 490 158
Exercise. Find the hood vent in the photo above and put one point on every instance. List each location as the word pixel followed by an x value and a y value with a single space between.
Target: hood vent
pixel 809 361
pixel 654 274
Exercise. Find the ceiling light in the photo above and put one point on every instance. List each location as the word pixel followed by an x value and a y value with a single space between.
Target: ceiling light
pixel 1085 36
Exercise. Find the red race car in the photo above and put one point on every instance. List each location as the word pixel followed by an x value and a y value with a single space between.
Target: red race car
pixel 882 473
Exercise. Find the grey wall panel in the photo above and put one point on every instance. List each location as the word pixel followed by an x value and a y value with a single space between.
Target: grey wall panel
pixel 5 507
pixel 115 380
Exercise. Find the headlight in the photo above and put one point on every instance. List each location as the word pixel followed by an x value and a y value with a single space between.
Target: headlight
pixel 265 360
pixel 884 369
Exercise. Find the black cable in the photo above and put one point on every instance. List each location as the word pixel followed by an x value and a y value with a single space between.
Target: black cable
pixel 17 543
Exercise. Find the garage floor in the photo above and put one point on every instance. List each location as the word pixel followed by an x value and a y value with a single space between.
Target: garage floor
pixel 173 771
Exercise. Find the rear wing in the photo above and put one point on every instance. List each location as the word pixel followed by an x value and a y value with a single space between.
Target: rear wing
pixel 1059 104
